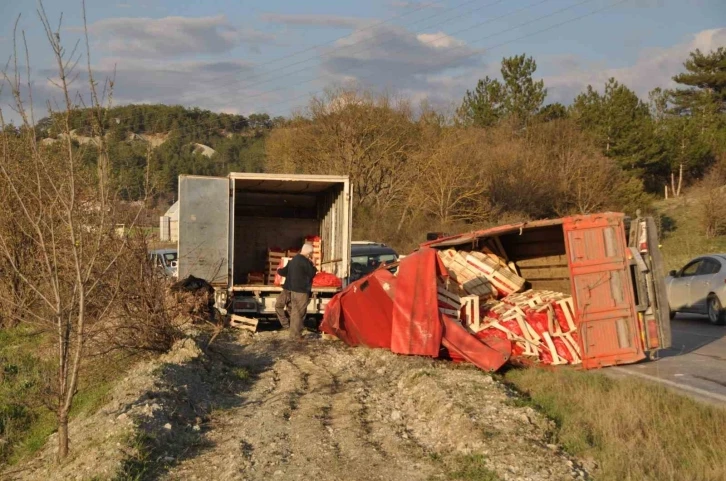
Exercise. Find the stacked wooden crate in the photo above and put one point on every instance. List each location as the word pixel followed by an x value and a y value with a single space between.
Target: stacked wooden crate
pixel 481 274
pixel 256 278
pixel 449 302
pixel 274 256
pixel 539 323
pixel 464 275
pixel 317 244
pixel 498 273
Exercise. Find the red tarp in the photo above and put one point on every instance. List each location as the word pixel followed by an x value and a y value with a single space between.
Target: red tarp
pixel 401 313
pixel 416 323
pixel 361 314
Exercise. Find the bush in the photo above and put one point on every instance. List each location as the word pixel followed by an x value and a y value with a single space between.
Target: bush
pixel 712 206
pixel 147 317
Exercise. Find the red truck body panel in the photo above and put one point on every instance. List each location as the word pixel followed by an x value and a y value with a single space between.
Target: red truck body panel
pixel 601 285
pixel 602 290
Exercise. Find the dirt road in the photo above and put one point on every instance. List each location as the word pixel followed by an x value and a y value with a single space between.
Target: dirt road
pixel 328 412
pixel 257 407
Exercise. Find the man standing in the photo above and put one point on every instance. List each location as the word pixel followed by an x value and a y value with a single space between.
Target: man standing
pixel 298 273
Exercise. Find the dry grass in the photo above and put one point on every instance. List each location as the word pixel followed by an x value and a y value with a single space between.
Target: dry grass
pixel 634 430
pixel 683 235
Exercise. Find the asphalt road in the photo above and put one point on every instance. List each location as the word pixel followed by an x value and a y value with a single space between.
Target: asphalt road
pixel 695 364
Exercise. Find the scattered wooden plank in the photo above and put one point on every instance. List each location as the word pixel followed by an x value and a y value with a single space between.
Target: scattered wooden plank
pixel 245 323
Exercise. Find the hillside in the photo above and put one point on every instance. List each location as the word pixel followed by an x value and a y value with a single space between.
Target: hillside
pixel 181 140
pixel 682 232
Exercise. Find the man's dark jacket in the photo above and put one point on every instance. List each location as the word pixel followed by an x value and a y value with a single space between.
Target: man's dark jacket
pixel 298 273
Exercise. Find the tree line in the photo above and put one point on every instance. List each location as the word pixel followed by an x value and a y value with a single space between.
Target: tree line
pixel 672 138
pixel 505 153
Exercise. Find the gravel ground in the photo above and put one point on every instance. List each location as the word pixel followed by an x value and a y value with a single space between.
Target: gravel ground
pixel 257 407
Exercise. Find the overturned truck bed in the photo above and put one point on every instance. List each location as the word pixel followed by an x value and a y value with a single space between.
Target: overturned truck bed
pixel 611 288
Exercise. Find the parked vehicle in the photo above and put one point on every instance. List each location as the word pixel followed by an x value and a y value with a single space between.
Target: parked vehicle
pixel 617 285
pixel 699 287
pixel 366 256
pixel 165 261
pixel 227 224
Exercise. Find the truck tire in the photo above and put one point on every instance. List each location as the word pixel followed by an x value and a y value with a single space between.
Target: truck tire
pixel 716 312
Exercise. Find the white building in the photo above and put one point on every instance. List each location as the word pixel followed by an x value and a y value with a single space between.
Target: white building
pixel 169 224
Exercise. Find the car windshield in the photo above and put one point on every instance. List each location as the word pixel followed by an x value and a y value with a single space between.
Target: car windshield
pixel 170 256
pixel 367 264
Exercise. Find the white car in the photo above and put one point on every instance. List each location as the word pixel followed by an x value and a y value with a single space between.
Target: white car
pixel 165 261
pixel 700 287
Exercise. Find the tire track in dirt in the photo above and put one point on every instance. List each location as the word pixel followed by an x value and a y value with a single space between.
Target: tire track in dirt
pixel 250 441
pixel 315 451
pixel 326 412
pixel 370 448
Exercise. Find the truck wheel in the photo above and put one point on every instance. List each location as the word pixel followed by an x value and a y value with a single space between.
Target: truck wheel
pixel 716 313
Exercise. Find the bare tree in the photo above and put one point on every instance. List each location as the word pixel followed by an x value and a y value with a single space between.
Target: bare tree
pixel 64 209
pixel 451 186
pixel 366 137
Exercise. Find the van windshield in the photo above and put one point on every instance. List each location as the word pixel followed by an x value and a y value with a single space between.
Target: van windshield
pixel 170 256
pixel 362 265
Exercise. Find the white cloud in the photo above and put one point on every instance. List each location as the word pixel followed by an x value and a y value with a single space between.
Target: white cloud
pixel 315 20
pixel 212 85
pixel 172 36
pixel 416 5
pixel 654 68
pixel 440 40
pixel 391 56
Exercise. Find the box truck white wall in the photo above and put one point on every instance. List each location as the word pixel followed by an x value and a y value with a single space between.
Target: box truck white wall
pixel 227 225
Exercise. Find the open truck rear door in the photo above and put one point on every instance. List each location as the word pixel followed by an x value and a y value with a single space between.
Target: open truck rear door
pixel 204 228
pixel 602 290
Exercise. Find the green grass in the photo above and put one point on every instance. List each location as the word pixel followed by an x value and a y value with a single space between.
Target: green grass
pixel 25 420
pixel 26 400
pixel 242 373
pixel 634 430
pixel 142 463
pixel 472 467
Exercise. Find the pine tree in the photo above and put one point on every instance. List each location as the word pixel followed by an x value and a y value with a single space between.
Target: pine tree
pixel 552 112
pixel 484 106
pixel 621 125
pixel 523 97
pixel 518 96
pixel 706 82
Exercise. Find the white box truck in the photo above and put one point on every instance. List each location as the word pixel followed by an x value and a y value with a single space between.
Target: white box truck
pixel 227 224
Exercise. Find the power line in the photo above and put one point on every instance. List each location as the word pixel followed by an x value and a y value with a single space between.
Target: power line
pixel 488 48
pixel 358 31
pixel 220 87
pixel 426 42
pixel 432 40
pixel 494 46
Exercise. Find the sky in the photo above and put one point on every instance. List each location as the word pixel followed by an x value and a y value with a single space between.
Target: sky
pixel 250 56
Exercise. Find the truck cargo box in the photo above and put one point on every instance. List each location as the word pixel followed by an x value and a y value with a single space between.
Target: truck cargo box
pixel 618 289
pixel 228 224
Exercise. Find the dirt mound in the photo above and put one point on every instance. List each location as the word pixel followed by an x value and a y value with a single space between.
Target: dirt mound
pixel 260 407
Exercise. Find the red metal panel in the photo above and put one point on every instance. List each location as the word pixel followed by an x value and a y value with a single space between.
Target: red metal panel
pixel 489 355
pixel 469 237
pixel 416 324
pixel 602 290
pixel 361 314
